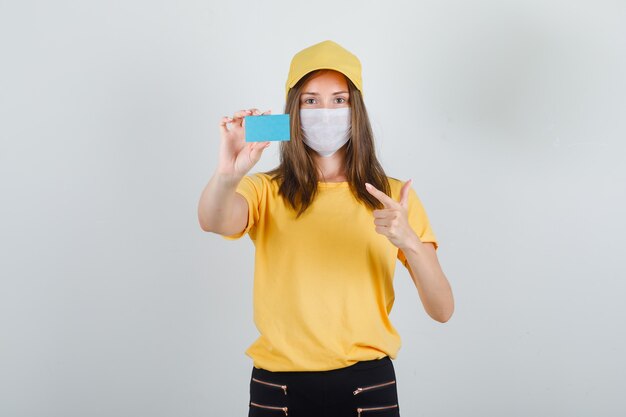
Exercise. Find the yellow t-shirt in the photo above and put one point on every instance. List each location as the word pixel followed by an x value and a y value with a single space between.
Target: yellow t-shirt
pixel 323 283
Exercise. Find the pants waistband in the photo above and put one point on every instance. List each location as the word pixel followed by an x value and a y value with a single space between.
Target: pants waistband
pixel 369 364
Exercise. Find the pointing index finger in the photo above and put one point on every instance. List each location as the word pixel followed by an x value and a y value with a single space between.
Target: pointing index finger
pixel 382 197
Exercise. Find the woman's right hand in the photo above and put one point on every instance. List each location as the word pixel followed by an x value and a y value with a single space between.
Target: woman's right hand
pixel 237 156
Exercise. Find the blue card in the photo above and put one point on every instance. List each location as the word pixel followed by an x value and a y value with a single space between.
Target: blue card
pixel 267 127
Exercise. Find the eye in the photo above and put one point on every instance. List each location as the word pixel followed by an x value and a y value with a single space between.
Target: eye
pixel 306 100
pixel 341 98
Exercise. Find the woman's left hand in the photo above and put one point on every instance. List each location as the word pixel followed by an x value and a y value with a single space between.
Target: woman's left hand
pixel 393 220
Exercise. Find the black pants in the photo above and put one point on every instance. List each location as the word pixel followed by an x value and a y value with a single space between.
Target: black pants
pixel 365 389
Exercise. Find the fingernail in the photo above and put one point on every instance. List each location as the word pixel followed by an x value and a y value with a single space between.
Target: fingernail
pixel 368 185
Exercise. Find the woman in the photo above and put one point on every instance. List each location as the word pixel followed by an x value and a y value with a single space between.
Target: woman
pixel 328 226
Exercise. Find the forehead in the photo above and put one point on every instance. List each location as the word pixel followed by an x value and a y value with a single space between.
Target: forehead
pixel 326 80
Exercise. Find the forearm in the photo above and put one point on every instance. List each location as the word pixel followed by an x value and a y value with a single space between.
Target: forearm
pixel 432 285
pixel 216 203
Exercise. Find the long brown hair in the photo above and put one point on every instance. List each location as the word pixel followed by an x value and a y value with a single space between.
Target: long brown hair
pixel 297 172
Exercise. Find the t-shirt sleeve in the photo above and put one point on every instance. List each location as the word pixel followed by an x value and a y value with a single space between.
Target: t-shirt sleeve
pixel 418 219
pixel 251 187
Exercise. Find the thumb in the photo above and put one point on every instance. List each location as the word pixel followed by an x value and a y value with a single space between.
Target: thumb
pixel 404 194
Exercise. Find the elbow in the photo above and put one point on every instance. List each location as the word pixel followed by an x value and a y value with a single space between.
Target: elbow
pixel 443 316
pixel 207 228
pixel 205 225
pixel 210 227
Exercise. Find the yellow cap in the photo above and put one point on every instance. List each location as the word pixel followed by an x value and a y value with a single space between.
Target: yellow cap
pixel 324 55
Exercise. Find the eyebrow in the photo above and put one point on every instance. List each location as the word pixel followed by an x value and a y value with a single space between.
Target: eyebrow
pixel 317 94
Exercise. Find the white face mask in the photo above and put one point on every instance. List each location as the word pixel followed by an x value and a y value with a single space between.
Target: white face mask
pixel 326 130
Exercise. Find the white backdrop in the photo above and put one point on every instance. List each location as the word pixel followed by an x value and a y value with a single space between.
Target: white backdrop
pixel 508 115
